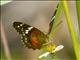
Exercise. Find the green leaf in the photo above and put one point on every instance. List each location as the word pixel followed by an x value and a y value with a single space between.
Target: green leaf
pixel 71 30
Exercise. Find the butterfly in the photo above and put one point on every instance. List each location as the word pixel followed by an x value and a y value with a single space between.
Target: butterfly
pixel 32 37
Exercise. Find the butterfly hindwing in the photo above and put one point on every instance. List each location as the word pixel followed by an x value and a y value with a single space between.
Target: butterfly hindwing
pixel 31 37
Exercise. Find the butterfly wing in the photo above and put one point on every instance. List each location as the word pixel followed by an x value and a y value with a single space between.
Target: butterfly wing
pixel 31 37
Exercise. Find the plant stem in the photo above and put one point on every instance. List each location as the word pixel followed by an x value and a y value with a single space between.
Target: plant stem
pixel 71 30
pixel 78 12
pixel 56 20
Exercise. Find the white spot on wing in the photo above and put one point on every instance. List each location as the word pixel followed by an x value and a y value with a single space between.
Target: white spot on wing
pixel 30 28
pixel 21 40
pixel 26 41
pixel 23 34
pixel 23 43
pixel 21 24
pixel 21 37
pixel 25 38
pixel 18 26
pixel 22 29
pixel 26 31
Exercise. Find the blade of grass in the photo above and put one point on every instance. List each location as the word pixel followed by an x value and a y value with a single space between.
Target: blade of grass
pixel 78 12
pixel 56 19
pixel 71 30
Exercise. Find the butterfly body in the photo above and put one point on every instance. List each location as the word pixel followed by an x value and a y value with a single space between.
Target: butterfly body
pixel 31 36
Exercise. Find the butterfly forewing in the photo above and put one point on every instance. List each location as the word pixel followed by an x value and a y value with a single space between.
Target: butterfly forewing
pixel 20 27
pixel 31 37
